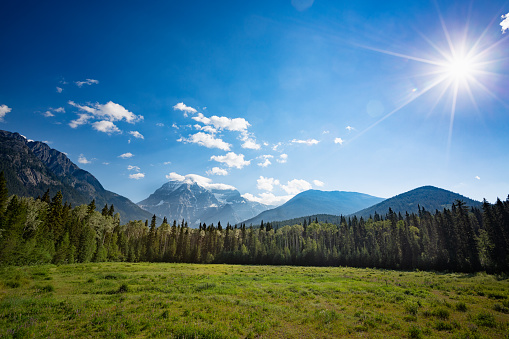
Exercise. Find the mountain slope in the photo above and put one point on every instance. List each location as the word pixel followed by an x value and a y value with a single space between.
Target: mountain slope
pixel 187 200
pixel 429 197
pixel 317 202
pixel 32 167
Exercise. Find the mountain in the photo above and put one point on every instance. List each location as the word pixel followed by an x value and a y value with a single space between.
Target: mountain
pixel 317 202
pixel 32 167
pixel 429 197
pixel 196 204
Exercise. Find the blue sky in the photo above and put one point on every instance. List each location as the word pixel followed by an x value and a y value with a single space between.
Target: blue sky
pixel 270 97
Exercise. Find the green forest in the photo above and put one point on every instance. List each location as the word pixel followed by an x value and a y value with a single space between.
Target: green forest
pixel 461 239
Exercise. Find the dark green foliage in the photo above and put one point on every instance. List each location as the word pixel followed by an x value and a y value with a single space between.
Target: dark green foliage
pixel 456 239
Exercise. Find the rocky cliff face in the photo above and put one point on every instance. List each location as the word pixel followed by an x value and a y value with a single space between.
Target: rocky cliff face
pixel 32 167
pixel 179 200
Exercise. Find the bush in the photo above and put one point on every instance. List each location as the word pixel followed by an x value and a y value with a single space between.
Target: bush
pixel 441 313
pixel 501 308
pixel 414 332
pixel 411 308
pixel 485 319
pixel 124 288
pixel 461 306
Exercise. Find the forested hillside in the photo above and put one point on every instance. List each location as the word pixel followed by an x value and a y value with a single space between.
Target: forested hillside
pixel 456 239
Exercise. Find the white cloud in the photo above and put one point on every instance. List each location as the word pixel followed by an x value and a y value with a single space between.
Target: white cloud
pixel 349 128
pixel 478 177
pixel 106 163
pixel 137 135
pixel 338 141
pixel 182 107
pixel 206 140
pixel 283 158
pixel 126 155
pixel 160 124
pixel 208 129
pixel 505 22
pixel 325 132
pixel 307 142
pixel 249 141
pixel 109 111
pixel 266 184
pixel 217 171
pixel 167 163
pixel 318 183
pixel 236 124
pixel 198 179
pixel 232 160
pixel 59 110
pixel 267 161
pixel 86 82
pixel 133 168
pixel 59 89
pixel 275 147
pixel 48 114
pixel 137 176
pixel 296 186
pixel 3 111
pixel 267 198
pixel 50 111
pixel 83 160
pixel 105 126
pixel 83 119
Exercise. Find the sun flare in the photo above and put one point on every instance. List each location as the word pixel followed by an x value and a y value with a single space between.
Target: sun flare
pixel 460 68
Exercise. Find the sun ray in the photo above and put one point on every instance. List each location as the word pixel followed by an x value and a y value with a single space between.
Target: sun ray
pixel 425 90
pixel 451 120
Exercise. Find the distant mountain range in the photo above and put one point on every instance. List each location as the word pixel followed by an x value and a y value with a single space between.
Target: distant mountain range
pixel 317 202
pixel 187 200
pixel 32 167
pixel 429 197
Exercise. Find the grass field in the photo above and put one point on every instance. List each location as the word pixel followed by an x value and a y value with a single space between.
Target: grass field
pixel 123 300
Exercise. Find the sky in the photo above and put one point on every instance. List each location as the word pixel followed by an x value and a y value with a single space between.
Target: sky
pixel 269 97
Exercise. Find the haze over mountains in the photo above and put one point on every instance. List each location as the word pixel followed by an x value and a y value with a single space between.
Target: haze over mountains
pixel 32 167
pixel 188 200
pixel 317 202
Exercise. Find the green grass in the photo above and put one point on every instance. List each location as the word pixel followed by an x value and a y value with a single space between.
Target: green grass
pixel 124 300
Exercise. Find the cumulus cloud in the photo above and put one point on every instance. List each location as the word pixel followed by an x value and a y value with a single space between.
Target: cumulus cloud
pixel 48 114
pixel 267 198
pixel 338 141
pixel 137 135
pixel 318 183
pixel 307 142
pixel 232 160
pixel 167 163
pixel 207 128
pixel 4 109
pixel 296 186
pixel 266 184
pixel 83 119
pixel 105 126
pixel 59 89
pixel 505 22
pixel 207 140
pixel 349 128
pixel 236 124
pixel 83 160
pixel 182 107
pixel 217 171
pixel 50 111
pixel 283 158
pixel 133 168
pixel 109 111
pixel 275 147
pixel 137 176
pixel 59 109
pixel 266 161
pixel 160 124
pixel 478 177
pixel 126 155
pixel 249 141
pixel 198 179
pixel 86 82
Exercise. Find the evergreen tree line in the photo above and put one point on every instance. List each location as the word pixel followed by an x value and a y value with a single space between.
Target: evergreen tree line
pixel 47 230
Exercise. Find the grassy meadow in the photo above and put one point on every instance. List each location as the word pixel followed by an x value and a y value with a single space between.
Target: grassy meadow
pixel 124 300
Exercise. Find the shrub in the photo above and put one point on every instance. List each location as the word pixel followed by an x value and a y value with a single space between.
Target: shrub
pixel 441 313
pixel 501 308
pixel 411 308
pixel 414 332
pixel 461 306
pixel 485 319
pixel 124 288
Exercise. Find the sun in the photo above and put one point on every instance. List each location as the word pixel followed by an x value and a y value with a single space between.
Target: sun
pixel 460 68
pixel 461 65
